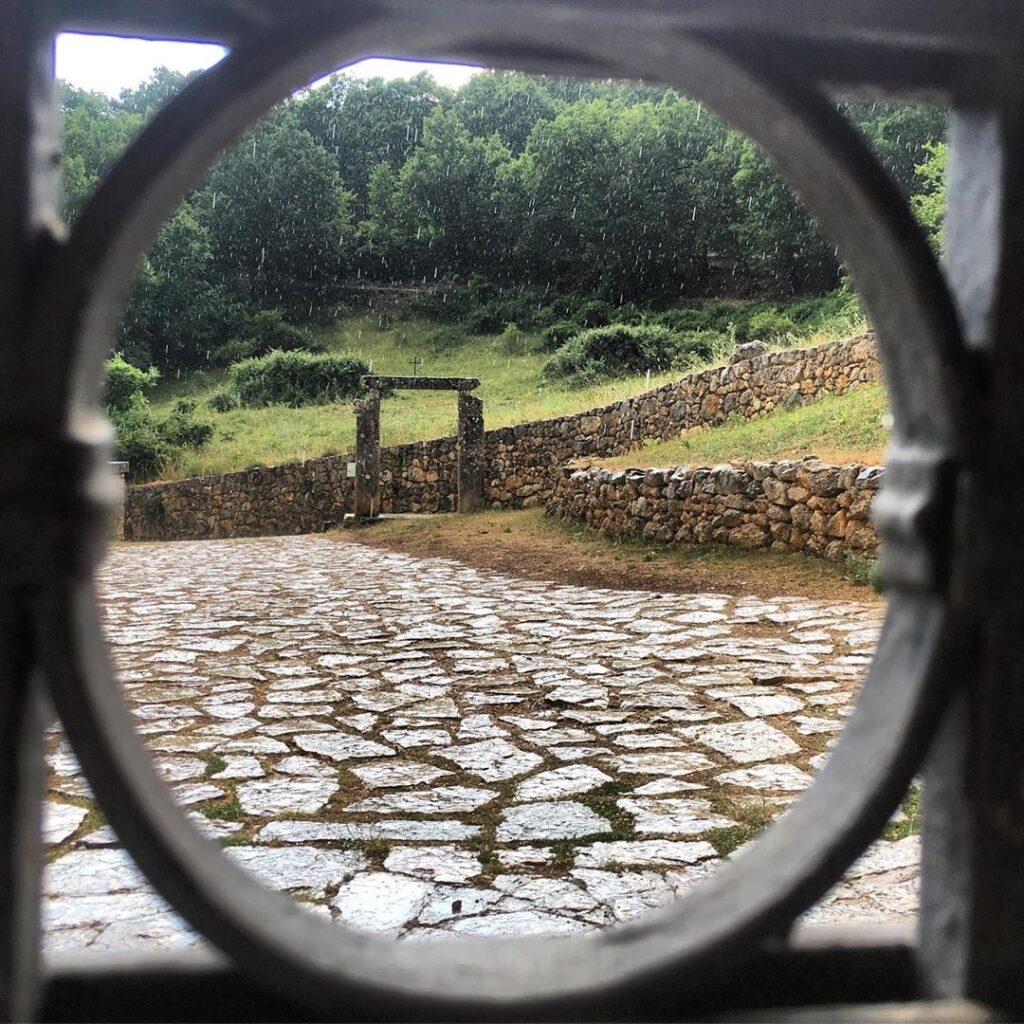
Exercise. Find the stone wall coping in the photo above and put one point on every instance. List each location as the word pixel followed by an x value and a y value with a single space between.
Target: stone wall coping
pixel 866 475
pixel 395 383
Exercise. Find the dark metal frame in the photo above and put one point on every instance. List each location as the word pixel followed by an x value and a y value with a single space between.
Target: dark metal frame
pixel 946 676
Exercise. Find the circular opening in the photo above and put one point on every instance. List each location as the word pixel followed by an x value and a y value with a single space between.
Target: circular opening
pixel 762 891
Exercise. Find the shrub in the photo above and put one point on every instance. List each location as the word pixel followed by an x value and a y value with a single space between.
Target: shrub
pixel 145 443
pixel 297 378
pixel 223 400
pixel 837 313
pixel 481 309
pixel 555 336
pixel 594 313
pixel 448 338
pixel 701 347
pixel 182 430
pixel 448 302
pixel 864 572
pixel 617 350
pixel 126 385
pixel 263 332
pixel 770 325
pixel 513 340
pixel 233 351
pixel 687 320
pixel 139 441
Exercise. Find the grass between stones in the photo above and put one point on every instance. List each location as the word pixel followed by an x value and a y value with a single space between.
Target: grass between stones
pixel 93 820
pixel 225 809
pixel 911 823
pixel 531 545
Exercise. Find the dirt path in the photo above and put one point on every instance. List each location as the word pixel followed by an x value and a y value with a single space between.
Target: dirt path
pixel 533 546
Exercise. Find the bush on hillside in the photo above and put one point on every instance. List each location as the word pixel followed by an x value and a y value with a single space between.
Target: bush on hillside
pixel 513 340
pixel 770 325
pixel 261 333
pixel 182 430
pixel 617 350
pixel 297 378
pixel 447 338
pixel 126 385
pixel 838 312
pixel 448 302
pixel 685 320
pixel 147 444
pixel 482 309
pixel 695 347
pixel 490 317
pixel 595 313
pixel 139 441
pixel 223 399
pixel 555 336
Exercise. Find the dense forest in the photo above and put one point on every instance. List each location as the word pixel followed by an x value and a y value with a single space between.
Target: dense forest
pixel 616 192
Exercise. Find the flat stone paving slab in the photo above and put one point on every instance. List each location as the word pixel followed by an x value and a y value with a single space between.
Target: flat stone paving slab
pixel 422 749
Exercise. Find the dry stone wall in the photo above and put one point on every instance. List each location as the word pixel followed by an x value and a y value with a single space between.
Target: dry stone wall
pixel 522 464
pixel 523 461
pixel 782 506
pixel 301 497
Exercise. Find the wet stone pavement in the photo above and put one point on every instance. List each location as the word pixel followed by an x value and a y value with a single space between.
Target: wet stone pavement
pixel 417 748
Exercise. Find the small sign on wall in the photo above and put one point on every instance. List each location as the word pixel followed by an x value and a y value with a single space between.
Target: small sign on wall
pixel 350 469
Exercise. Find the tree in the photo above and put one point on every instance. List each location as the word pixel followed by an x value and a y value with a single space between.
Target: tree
pixel 178 307
pixel 363 123
pixel 387 237
pixel 449 183
pixel 783 250
pixel 506 104
pixel 930 203
pixel 95 133
pixel 900 134
pixel 279 218
pixel 146 99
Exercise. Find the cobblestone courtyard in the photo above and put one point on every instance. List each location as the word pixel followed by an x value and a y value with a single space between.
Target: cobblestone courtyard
pixel 415 747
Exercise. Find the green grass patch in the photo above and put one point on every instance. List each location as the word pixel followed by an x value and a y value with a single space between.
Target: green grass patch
pixel 222 810
pixel 911 823
pixel 214 764
pixel 236 839
pixel 752 816
pixel 621 824
pixel 838 428
pixel 563 854
pixel 863 572
pixel 376 850
pixel 728 840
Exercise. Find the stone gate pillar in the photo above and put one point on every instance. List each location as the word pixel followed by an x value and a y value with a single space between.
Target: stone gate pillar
pixel 471 452
pixel 367 503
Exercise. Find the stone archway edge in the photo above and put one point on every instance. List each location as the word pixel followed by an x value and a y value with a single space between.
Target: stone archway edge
pixel 521 464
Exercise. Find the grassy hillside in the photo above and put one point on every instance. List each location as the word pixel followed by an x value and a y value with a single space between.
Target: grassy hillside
pixel 839 429
pixel 511 388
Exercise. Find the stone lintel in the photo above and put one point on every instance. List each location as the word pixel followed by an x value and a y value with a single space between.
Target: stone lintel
pixel 380 383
